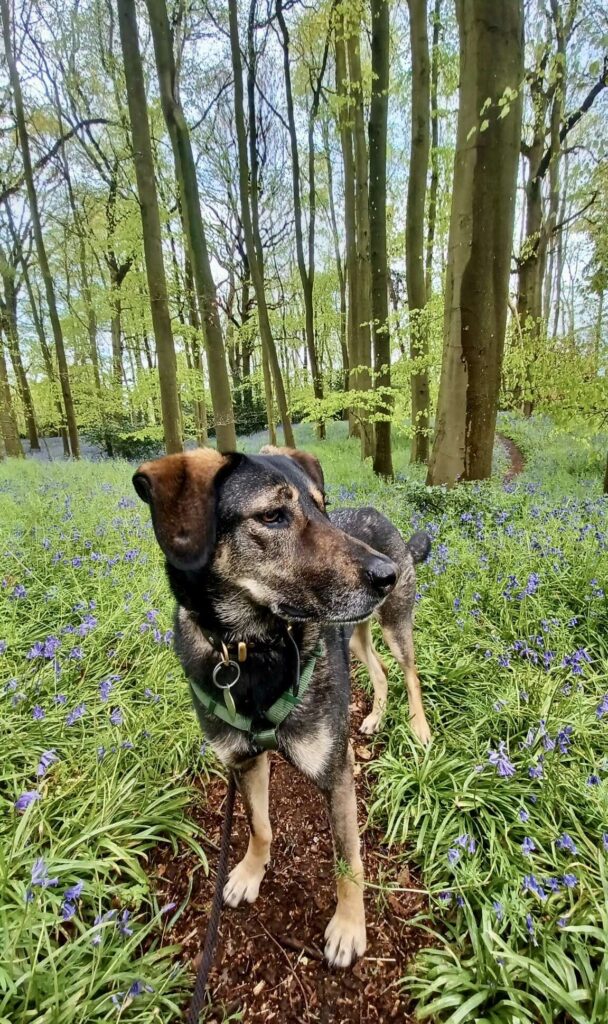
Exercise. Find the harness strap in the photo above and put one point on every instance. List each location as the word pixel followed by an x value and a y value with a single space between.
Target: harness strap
pixel 265 739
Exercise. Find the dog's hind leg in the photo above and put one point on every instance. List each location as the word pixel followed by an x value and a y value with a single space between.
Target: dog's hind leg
pixel 244 879
pixel 345 934
pixel 362 647
pixel 398 635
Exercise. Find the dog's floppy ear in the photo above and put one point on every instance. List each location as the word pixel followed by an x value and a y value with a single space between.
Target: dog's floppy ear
pixel 180 490
pixel 306 461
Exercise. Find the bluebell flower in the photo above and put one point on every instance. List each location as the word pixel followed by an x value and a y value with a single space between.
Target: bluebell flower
pixel 38 713
pixel 498 910
pixel 536 771
pixel 528 846
pixel 499 758
pixel 105 688
pixel 562 922
pixel 445 897
pixel 101 919
pixel 460 901
pixel 570 880
pixel 531 884
pixel 60 698
pixel 123 924
pixel 75 714
pixel 593 780
pixel 566 843
pixel 168 907
pixel 453 856
pixel 77 654
pixel 46 760
pixel 74 892
pixel 26 800
pixel 3 646
pixel 116 716
pixel 552 884
pixel 530 928
pixel 19 591
pixel 602 708
pixel 523 814
pixel 563 738
pixel 605 841
pixel 40 875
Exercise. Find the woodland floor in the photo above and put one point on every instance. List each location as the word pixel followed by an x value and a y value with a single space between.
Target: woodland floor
pixel 269 962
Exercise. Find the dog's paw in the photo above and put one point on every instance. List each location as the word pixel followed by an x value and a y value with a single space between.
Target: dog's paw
pixel 345 939
pixel 243 884
pixel 371 724
pixel 420 728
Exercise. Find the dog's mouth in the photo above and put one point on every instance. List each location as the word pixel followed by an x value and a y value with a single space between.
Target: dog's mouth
pixel 292 614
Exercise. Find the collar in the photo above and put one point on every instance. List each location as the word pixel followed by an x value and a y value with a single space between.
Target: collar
pixel 239 650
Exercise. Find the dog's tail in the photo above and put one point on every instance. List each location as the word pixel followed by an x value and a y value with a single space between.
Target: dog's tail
pixel 419 546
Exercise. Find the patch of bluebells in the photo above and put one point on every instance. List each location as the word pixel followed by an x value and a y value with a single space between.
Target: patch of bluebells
pixel 48 758
pixel 27 799
pixel 76 714
pixel 500 760
pixel 566 843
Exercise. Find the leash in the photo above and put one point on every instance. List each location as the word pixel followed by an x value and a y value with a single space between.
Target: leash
pixel 198 996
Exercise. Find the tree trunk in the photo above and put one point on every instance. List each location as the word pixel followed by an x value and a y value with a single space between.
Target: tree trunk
pixel 8 421
pixel 350 226
pixel 362 224
pixel 338 257
pixel 378 123
pixel 306 273
pixel 185 171
pixel 150 220
pixel 434 184
pixel 481 232
pixel 414 229
pixel 249 209
pixel 43 262
pixel 47 358
pixel 8 310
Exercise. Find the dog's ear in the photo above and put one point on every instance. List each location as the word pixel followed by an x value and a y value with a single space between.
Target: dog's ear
pixel 306 461
pixel 181 492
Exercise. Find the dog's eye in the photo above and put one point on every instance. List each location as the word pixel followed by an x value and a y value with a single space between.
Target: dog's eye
pixel 272 517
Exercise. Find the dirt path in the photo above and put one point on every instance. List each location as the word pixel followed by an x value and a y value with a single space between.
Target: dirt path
pixel 269 961
pixel 515 456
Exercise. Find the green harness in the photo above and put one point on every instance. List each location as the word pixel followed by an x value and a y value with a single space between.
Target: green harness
pixel 275 715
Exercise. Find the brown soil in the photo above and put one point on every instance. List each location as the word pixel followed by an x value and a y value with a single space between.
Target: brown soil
pixel 515 456
pixel 269 963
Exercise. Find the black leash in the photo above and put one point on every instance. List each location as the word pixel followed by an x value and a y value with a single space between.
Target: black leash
pixel 198 996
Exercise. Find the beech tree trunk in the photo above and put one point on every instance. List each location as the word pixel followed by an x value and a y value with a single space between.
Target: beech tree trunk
pixel 340 270
pixel 414 229
pixel 47 357
pixel 249 218
pixel 378 124
pixel 8 420
pixel 481 231
pixel 9 318
pixel 150 220
pixel 43 262
pixel 306 271
pixel 434 183
pixel 185 170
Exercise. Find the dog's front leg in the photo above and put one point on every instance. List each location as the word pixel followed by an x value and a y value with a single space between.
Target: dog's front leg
pixel 345 934
pixel 244 880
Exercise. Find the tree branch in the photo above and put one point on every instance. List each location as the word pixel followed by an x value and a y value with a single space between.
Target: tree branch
pixel 10 190
pixel 574 118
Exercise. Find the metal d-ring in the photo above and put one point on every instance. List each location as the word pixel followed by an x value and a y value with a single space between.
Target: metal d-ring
pixel 225 666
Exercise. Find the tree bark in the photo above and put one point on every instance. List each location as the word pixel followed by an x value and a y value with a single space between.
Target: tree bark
pixel 43 262
pixel 434 183
pixel 481 231
pixel 46 356
pixel 8 421
pixel 378 124
pixel 249 217
pixel 185 171
pixel 306 271
pixel 338 256
pixel 9 318
pixel 150 220
pixel 414 229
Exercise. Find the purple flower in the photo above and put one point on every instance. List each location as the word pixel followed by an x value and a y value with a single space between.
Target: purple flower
pixel 498 758
pixel 60 698
pixel 530 928
pixel 453 856
pixel 26 800
pixel 498 909
pixel 602 708
pixel 523 814
pixel 570 880
pixel 40 875
pixel 605 841
pixel 46 760
pixel 563 739
pixel 78 712
pixel 74 892
pixel 536 771
pixel 566 843
pixel 19 591
pixel 77 562
pixel 116 716
pixel 552 884
pixel 36 650
pixel 101 919
pixel 67 910
pixel 168 907
pixel 531 884
pixel 593 780
pixel 123 924
pixel 77 653
pixel 50 647
pixel 562 922
pixel 104 689
pixel 38 713
pixel 528 846
pixel 3 646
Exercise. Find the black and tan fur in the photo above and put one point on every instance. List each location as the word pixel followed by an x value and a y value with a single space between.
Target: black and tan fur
pixel 250 550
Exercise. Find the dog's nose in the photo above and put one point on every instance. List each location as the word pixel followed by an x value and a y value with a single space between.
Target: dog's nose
pixel 382 574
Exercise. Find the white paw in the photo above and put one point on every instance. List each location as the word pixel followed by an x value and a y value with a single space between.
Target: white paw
pixel 420 728
pixel 243 884
pixel 371 724
pixel 345 940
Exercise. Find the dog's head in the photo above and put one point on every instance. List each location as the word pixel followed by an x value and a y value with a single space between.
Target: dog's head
pixel 253 531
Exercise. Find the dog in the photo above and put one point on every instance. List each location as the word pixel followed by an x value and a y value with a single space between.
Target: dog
pixel 258 567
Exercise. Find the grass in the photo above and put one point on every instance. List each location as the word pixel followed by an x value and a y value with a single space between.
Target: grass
pixel 513 653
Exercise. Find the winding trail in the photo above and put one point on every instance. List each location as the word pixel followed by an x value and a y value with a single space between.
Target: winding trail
pixel 515 455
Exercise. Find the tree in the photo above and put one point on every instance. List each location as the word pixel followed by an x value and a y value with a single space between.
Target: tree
pixel 248 205
pixel 185 171
pixel 481 230
pixel 150 222
pixel 414 228
pixel 378 124
pixel 43 262
pixel 8 423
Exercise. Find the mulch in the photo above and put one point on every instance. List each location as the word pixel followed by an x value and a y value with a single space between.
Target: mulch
pixel 269 962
